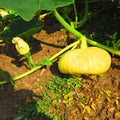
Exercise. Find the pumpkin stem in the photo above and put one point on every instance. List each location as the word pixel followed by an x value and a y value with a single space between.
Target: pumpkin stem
pixel 83 42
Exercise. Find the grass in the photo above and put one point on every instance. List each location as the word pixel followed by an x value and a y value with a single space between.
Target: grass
pixel 63 95
pixel 58 92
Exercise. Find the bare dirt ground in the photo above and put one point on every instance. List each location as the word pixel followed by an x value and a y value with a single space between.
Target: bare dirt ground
pixel 46 43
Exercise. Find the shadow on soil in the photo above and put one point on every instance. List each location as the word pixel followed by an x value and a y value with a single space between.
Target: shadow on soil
pixel 22 106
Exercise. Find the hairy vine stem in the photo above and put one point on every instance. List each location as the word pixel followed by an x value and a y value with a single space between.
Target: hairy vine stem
pixel 81 36
pixel 82 22
pixel 40 66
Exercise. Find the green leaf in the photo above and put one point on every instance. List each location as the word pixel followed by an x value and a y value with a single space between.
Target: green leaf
pixel 3 75
pixel 24 8
pixel 21 28
pixel 46 61
pixel 28 8
pixel 53 4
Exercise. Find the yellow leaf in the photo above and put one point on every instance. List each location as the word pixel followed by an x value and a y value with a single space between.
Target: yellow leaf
pixel 87 108
pixel 93 106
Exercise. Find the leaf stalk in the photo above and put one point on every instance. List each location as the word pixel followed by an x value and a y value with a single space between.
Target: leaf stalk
pixel 40 66
pixel 81 36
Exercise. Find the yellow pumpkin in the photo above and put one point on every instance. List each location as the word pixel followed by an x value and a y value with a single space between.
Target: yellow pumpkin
pixel 91 60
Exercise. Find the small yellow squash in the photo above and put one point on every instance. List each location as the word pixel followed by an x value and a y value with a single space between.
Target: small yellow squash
pixel 91 60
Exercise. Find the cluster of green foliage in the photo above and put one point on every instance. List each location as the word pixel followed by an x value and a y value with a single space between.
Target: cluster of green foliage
pixel 58 91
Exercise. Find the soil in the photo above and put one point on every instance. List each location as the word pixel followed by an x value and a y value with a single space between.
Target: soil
pixel 46 43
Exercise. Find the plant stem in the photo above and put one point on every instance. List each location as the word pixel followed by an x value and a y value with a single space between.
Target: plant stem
pixel 20 76
pixel 40 66
pixel 83 42
pixel 2 74
pixel 81 36
pixel 65 49
pixel 66 25
pixel 82 22
pixel 94 43
pixel 30 61
pixel 75 11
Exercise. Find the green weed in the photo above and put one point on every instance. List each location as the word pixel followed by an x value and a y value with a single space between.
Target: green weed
pixel 113 41
pixel 59 92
